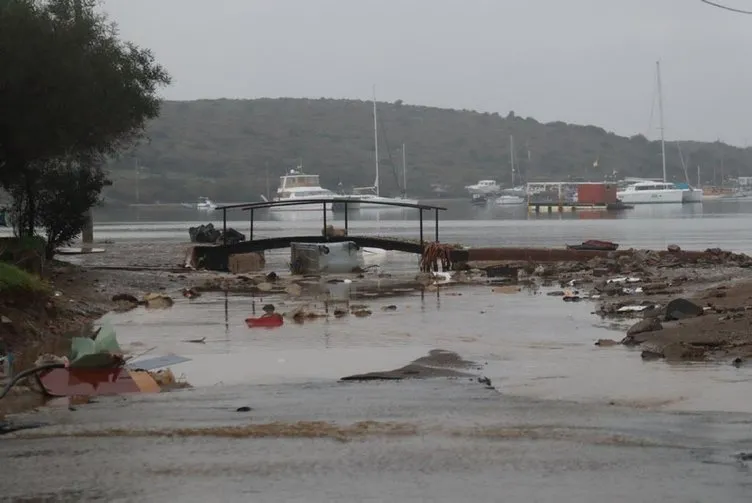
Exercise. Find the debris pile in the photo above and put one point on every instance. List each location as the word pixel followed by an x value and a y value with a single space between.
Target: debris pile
pixel 207 234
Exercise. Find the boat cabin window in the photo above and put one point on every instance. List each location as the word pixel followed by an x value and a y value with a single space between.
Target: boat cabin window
pixel 657 186
pixel 301 181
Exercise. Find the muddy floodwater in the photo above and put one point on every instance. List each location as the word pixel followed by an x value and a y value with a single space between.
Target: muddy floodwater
pixel 536 411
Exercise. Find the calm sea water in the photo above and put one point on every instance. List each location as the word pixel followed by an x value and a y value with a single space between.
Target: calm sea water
pixel 712 224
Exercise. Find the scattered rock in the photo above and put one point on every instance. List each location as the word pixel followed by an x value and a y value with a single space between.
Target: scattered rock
pixel 604 343
pixel 485 380
pixel 674 248
pixel 294 290
pixel 265 287
pixel 197 341
pixel 362 313
pixel 679 351
pixel 679 309
pixel 5 319
pixel 243 409
pixel 391 307
pixel 557 293
pixel 340 313
pixel 157 301
pixel 272 277
pixel 651 355
pixel 302 314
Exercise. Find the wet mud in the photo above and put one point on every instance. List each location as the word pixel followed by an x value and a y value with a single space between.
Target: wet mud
pixel 438 363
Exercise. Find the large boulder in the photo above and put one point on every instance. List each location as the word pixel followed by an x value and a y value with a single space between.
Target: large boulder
pixel 680 309
pixel 645 325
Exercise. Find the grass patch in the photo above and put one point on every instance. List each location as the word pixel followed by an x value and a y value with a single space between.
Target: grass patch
pixel 13 279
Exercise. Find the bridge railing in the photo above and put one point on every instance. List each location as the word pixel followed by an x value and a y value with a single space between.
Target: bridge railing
pixel 345 201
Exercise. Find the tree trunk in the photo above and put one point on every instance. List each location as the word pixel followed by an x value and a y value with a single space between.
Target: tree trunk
pixel 31 210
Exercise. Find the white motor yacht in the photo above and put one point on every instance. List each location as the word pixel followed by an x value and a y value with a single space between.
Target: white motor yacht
pixel 648 192
pixel 483 187
pixel 299 186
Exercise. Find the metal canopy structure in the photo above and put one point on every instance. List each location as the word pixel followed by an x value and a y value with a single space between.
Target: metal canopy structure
pixel 324 202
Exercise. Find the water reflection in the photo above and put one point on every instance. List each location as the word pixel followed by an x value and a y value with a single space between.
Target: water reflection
pixel 457 209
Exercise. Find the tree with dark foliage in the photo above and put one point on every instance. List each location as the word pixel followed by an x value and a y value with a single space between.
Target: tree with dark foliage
pixel 70 90
pixel 69 188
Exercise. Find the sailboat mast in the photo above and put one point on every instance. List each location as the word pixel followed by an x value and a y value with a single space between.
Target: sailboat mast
pixel 660 112
pixel 699 182
pixel 404 172
pixel 376 141
pixel 511 156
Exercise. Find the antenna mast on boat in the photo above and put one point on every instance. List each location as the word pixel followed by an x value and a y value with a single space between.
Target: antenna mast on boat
pixel 660 112
pixel 404 172
pixel 511 155
pixel 376 141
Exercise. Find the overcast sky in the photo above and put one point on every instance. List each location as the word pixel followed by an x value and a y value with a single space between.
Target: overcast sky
pixel 581 61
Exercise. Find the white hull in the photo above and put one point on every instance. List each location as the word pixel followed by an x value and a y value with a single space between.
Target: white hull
pixel 509 200
pixel 300 207
pixel 371 203
pixel 675 196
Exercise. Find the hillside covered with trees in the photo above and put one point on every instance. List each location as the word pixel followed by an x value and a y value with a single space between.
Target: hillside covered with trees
pixel 231 150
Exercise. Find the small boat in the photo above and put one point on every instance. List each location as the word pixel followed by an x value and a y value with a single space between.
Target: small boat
pixel 268 321
pixel 206 204
pixel 594 245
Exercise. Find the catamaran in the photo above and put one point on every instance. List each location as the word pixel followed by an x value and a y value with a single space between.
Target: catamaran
pixel 650 191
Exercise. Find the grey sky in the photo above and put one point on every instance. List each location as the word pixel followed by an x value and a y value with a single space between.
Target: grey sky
pixel 581 61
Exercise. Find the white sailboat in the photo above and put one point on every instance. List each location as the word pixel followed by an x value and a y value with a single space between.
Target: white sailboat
pixel 369 197
pixel 650 192
pixel 511 197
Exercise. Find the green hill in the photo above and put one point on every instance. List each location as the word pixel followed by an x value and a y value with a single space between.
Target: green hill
pixel 227 149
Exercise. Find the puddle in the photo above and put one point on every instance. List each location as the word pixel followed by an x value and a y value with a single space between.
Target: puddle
pixel 528 344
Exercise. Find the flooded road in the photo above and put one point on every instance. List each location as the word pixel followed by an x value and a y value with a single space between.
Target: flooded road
pixel 530 344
